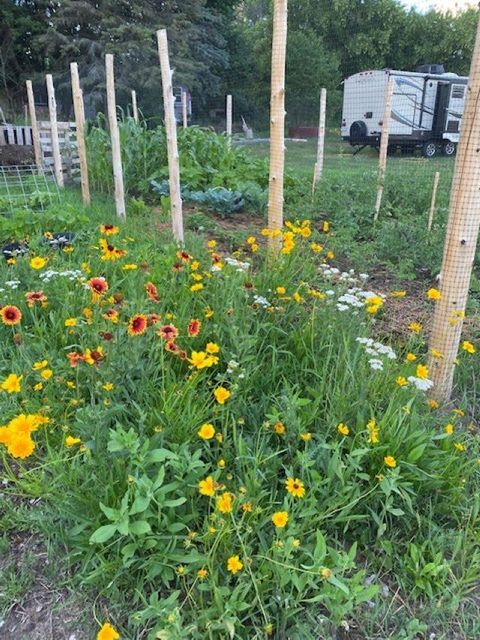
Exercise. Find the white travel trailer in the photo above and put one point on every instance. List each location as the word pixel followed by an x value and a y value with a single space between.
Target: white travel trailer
pixel 427 109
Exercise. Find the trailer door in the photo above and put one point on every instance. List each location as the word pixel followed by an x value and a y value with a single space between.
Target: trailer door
pixel 441 109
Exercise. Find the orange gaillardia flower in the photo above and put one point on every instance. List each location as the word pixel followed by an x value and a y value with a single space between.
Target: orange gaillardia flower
pixel 137 325
pixel 168 332
pixel 152 292
pixel 194 327
pixel 99 286
pixel 33 297
pixel 10 315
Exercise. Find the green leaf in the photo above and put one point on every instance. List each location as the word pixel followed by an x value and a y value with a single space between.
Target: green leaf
pixel 160 455
pixel 102 534
pixel 140 527
pixel 340 585
pixel 416 453
pixel 174 503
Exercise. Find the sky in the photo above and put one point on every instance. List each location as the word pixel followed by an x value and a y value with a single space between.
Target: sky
pixel 422 5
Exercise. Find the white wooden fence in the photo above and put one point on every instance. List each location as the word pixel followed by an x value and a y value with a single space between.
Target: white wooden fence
pixel 11 134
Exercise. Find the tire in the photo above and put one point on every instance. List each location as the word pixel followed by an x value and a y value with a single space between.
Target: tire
pixel 449 149
pixel 358 133
pixel 430 149
pixel 391 150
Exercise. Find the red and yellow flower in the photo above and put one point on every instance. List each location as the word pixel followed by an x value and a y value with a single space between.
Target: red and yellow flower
pixel 137 324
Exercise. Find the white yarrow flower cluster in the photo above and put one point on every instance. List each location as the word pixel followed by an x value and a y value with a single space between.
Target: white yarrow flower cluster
pixel 74 274
pixel 237 264
pixel 378 351
pixel 422 384
pixel 261 301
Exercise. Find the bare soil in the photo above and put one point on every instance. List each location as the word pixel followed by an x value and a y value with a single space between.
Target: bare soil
pixel 44 611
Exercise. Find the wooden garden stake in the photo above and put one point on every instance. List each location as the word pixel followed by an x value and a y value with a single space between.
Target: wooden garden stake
pixel 184 109
pixel 321 139
pixel 460 242
pixel 277 124
pixel 382 164
pixel 171 129
pixel 229 118
pixel 134 106
pixel 52 109
pixel 434 200
pixel 115 139
pixel 80 123
pixel 35 132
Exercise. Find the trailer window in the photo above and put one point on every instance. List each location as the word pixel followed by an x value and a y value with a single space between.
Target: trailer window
pixel 369 115
pixel 458 92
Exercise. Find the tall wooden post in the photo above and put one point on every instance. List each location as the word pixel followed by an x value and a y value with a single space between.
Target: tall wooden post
pixel 229 118
pixel 277 123
pixel 80 123
pixel 115 138
pixel 171 130
pixel 134 106
pixel 433 204
pixel 52 110
pixel 35 132
pixel 321 138
pixel 460 242
pixel 382 163
pixel 185 109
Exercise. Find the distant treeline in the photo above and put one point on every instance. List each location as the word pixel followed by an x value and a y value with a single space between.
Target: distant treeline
pixel 219 47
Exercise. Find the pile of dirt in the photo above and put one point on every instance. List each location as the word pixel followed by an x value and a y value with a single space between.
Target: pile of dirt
pixel 15 154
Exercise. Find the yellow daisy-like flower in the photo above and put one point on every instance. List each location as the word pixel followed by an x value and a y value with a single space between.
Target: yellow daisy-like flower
pixel 221 395
pixel 422 371
pixel 280 519
pixel 107 632
pixel 410 357
pixel 206 431
pixel 70 322
pixel 41 364
pixel 46 374
pixel 12 383
pixel 70 441
pixel 390 461
pixel 433 294
pixel 343 429
pixel 207 487
pixel 398 294
pixel 234 564
pixel 449 428
pixel 295 487
pixel 38 262
pixel 225 502
pixel 468 347
pixel 401 381
pixel 415 327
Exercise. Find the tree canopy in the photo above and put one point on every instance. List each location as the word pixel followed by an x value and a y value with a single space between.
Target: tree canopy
pixel 219 47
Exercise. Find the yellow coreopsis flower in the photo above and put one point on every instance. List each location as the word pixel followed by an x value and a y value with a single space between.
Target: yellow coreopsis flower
pixel 12 383
pixel 207 487
pixel 70 441
pixel 468 347
pixel 343 429
pixel 38 262
pixel 107 632
pixel 70 322
pixel 234 564
pixel 221 395
pixel 433 294
pixel 390 461
pixel 206 431
pixel 225 502
pixel 280 519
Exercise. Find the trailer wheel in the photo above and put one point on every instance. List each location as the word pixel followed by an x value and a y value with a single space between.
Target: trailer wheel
pixel 358 133
pixel 429 150
pixel 449 149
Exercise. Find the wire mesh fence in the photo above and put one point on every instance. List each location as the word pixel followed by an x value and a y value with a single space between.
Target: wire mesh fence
pixel 25 187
